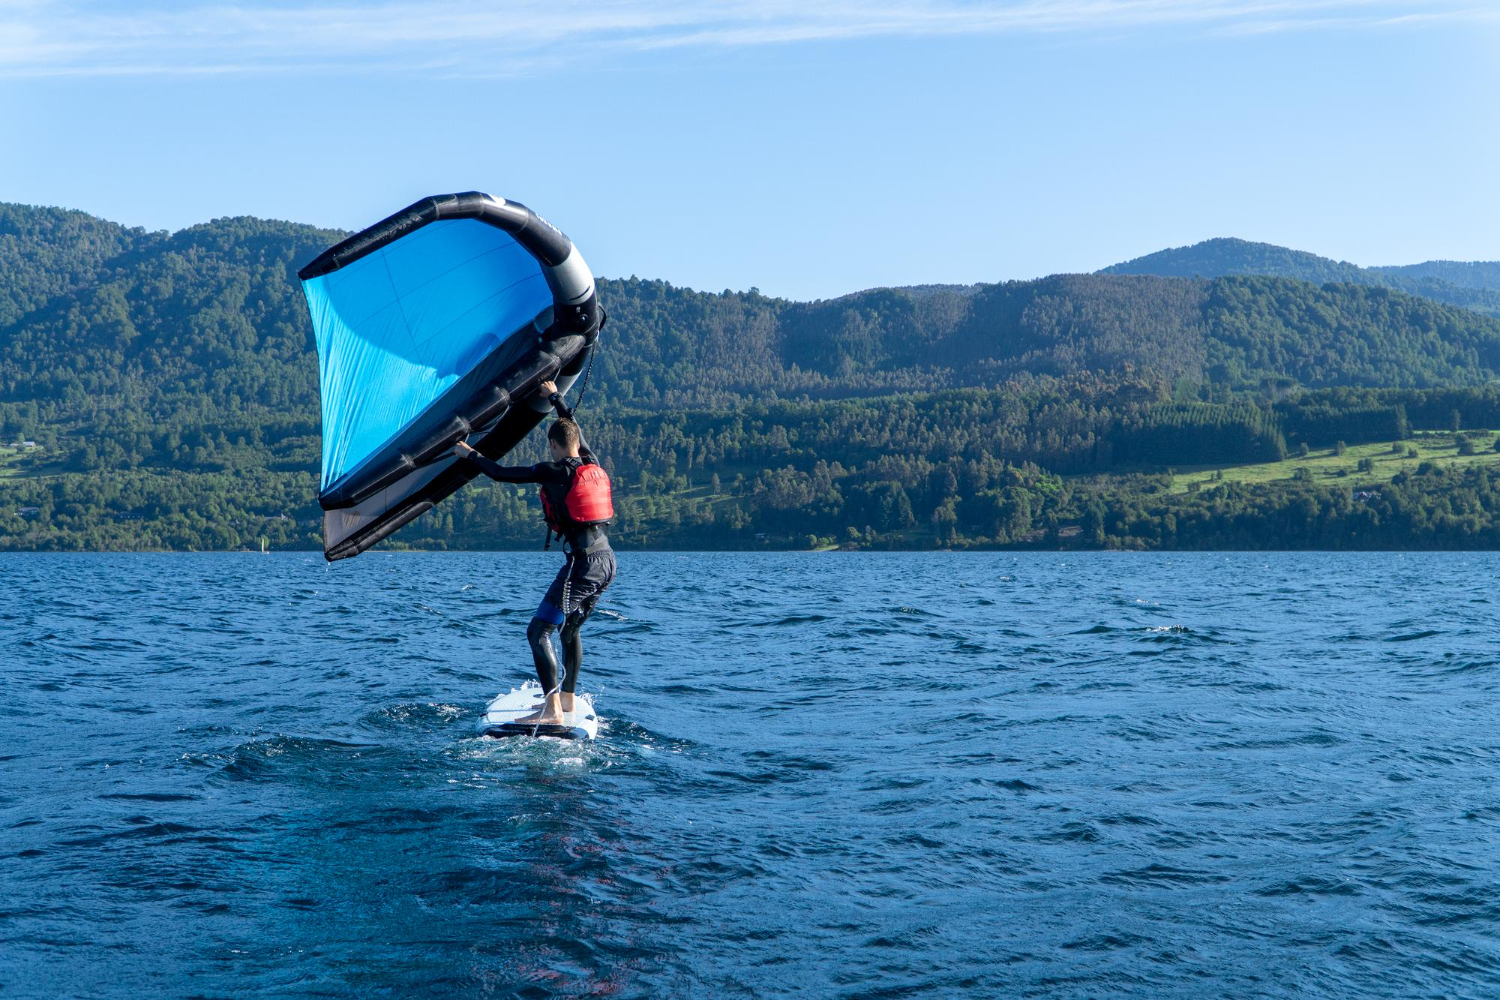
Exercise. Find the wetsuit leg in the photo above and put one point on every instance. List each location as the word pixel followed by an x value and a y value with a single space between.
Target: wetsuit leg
pixel 572 645
pixel 592 574
pixel 539 634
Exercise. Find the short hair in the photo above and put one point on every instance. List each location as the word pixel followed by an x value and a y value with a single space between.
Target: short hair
pixel 565 433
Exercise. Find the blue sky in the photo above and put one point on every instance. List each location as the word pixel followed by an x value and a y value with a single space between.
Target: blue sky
pixel 808 148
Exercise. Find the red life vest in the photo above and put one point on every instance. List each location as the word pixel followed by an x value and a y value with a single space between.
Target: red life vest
pixel 586 502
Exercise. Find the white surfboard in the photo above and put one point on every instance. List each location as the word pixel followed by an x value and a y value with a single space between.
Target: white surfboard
pixel 500 718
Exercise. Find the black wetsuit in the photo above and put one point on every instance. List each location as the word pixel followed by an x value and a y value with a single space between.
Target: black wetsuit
pixel 575 591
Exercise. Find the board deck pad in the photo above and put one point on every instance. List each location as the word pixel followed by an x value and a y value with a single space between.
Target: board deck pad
pixel 499 718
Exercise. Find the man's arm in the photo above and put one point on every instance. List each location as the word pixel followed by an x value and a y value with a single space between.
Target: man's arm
pixel 502 473
pixel 544 473
pixel 555 398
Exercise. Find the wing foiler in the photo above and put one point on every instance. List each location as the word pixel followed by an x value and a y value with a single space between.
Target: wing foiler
pixel 436 324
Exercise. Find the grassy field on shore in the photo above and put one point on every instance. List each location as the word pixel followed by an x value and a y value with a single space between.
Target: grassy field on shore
pixel 1327 466
pixel 10 457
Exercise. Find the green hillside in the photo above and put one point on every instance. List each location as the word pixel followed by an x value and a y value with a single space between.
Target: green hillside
pixel 1218 257
pixel 48 252
pixel 1480 274
pixel 1469 285
pixel 169 384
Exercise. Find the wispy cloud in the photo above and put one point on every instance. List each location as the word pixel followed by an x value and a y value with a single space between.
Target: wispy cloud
pixel 484 38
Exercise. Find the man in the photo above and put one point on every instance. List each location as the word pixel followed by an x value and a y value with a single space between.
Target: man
pixel 576 503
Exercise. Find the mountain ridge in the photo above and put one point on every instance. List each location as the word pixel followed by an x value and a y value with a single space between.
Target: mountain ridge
pixel 103 317
pixel 1467 284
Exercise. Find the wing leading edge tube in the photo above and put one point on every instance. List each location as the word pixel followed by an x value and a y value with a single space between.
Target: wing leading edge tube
pixel 435 324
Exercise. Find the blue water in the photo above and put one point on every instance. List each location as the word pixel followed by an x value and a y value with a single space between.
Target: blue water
pixel 842 775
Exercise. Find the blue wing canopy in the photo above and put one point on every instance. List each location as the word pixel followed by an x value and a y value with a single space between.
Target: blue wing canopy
pixel 398 330
pixel 431 326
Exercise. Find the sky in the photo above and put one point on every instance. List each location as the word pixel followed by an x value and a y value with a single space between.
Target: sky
pixel 806 148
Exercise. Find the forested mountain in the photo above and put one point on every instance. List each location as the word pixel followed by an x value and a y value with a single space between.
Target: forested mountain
pixel 1470 285
pixel 1218 257
pixel 206 327
pixel 1481 274
pixel 47 252
pixel 170 384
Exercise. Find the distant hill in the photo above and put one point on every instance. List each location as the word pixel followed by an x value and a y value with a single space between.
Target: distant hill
pixel 193 349
pixel 1218 257
pixel 922 291
pixel 47 252
pixel 692 349
pixel 1471 285
pixel 1480 274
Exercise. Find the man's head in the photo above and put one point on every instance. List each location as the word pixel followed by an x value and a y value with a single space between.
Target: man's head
pixel 563 437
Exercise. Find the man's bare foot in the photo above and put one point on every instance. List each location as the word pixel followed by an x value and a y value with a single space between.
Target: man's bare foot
pixel 551 714
pixel 567 701
pixel 542 718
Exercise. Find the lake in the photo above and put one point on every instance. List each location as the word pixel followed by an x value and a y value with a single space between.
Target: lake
pixel 841 775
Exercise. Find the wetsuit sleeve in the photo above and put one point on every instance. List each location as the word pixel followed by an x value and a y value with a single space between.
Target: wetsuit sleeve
pixel 546 472
pixel 503 473
pixel 562 411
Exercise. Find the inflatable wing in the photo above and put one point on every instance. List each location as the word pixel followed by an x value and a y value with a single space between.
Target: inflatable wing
pixel 436 324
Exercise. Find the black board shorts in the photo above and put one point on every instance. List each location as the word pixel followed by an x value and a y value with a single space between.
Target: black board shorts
pixel 586 574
